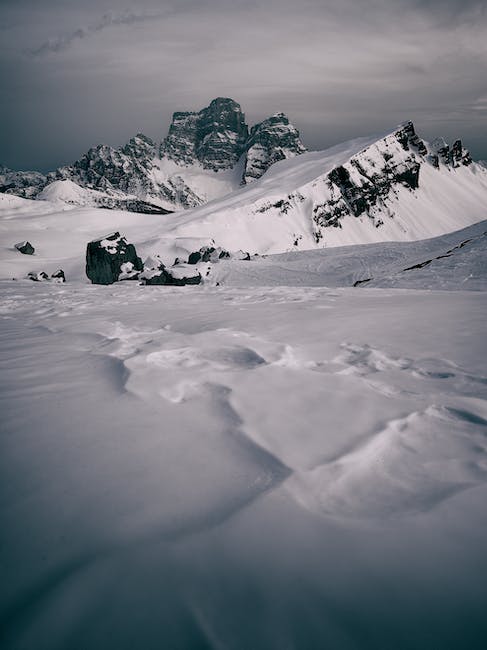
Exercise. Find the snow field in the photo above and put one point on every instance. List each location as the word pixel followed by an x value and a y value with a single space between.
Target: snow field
pixel 161 446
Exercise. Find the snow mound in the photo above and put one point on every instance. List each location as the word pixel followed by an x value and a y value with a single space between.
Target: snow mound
pixel 65 191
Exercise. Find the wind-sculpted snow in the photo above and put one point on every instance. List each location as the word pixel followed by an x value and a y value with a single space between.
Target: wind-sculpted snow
pixel 242 467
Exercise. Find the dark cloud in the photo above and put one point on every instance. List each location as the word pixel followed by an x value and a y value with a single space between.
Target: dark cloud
pixel 99 71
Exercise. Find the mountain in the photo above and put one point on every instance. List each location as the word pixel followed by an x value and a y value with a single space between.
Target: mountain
pixel 26 184
pixel 393 188
pixel 206 154
pixel 215 137
pixel 272 140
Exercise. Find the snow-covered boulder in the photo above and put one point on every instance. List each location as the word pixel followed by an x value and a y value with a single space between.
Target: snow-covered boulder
pixel 58 276
pixel 25 248
pixel 38 276
pixel 155 272
pixel 106 256
pixel 208 254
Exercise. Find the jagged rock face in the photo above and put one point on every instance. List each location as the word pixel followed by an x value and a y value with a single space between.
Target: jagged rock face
pixel 106 259
pixel 455 156
pixel 272 140
pixel 363 185
pixel 222 134
pixel 24 184
pixel 133 177
pixel 180 143
pixel 215 136
pixel 107 169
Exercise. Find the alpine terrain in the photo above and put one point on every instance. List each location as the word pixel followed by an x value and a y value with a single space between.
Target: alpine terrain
pixel 244 393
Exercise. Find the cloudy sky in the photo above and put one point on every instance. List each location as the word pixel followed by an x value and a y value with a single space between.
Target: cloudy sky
pixel 74 74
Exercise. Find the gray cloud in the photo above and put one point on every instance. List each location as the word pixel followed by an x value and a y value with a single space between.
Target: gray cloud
pixel 108 20
pixel 339 68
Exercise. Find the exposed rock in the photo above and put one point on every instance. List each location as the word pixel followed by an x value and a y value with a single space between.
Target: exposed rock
pixel 460 155
pixel 242 255
pixel 58 276
pixel 105 257
pixel 272 140
pixel 134 178
pixel 25 184
pixel 104 168
pixel 215 136
pixel 38 277
pixel 363 185
pixel 455 156
pixel 194 257
pixel 156 273
pixel 208 254
pixel 25 248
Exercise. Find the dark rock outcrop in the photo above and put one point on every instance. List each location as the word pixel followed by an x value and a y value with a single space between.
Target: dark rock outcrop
pixel 364 184
pixel 133 178
pixel 38 276
pixel 156 273
pixel 58 276
pixel 215 137
pixel 208 254
pixel 104 168
pixel 105 257
pixel 25 248
pixel 454 156
pixel 25 184
pixel 272 140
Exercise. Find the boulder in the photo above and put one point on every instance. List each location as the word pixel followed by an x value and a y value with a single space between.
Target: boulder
pixel 155 272
pixel 58 276
pixel 38 277
pixel 242 255
pixel 208 254
pixel 105 257
pixel 25 248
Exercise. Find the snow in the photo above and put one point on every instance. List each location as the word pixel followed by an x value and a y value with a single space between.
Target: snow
pixel 206 185
pixel 242 467
pixel 453 261
pixel 446 200
pixel 66 191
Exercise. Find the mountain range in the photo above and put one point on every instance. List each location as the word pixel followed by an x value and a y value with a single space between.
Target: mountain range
pixel 205 154
pixel 257 190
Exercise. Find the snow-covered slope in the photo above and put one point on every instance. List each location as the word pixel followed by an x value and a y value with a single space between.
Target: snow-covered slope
pixel 67 191
pixel 453 261
pixel 59 234
pixel 392 188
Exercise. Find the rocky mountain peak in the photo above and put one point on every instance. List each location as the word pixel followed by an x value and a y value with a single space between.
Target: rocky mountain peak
pixel 271 140
pixel 222 134
pixel 215 136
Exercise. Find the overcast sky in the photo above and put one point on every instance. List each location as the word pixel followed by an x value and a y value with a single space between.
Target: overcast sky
pixel 74 74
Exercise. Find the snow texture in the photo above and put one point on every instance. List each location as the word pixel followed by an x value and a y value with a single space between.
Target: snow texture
pixel 242 467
